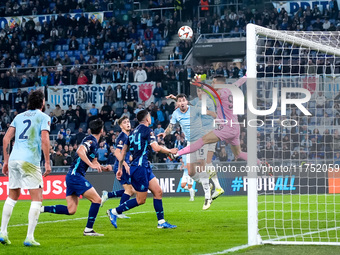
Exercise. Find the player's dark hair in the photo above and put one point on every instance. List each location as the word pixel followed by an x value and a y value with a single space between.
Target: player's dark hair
pixel 181 96
pixel 35 100
pixel 219 78
pixel 141 115
pixel 96 126
pixel 120 121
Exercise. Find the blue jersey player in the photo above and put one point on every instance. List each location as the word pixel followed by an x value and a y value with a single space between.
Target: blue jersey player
pixel 77 184
pixel 121 140
pixel 141 141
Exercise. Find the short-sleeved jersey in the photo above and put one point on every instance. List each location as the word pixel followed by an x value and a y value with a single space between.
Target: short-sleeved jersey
pixel 28 126
pixel 207 120
pixel 139 142
pixel 190 122
pixel 227 103
pixel 80 167
pixel 121 140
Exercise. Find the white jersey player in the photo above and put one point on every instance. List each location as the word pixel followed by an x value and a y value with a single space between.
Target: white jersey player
pixel 31 131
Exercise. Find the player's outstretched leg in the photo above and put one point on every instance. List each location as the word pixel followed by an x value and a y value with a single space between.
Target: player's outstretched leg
pixel 158 204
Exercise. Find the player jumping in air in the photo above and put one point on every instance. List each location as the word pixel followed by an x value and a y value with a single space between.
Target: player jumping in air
pixel 207 126
pixel 77 185
pixel 229 134
pixel 142 178
pixel 189 118
pixel 31 130
pixel 121 140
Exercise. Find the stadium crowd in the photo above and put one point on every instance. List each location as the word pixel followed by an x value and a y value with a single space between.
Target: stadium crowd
pixel 68 51
pixel 229 20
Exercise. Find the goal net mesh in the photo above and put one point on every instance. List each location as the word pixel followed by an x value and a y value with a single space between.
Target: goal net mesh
pixel 298 197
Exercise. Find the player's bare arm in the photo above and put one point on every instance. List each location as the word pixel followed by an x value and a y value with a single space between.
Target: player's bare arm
pixel 82 154
pixel 167 131
pixel 212 114
pixel 157 148
pixel 6 145
pixel 45 146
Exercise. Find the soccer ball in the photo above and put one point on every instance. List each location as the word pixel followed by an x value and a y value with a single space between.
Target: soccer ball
pixel 185 33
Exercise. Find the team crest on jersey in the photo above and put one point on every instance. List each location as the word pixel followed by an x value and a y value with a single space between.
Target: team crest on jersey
pixel 49 123
pixel 152 134
pixel 120 142
pixel 88 143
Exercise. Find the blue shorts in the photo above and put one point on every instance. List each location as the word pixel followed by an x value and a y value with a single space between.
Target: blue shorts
pixel 76 184
pixel 140 177
pixel 125 179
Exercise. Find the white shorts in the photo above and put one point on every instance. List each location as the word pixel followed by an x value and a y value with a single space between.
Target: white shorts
pixel 24 175
pixel 200 154
pixel 187 179
pixel 211 147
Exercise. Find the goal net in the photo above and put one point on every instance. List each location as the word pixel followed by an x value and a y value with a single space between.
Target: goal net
pixel 297 199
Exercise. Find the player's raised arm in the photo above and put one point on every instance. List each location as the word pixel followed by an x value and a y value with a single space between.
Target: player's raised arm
pixel 82 154
pixel 6 148
pixel 167 131
pixel 45 146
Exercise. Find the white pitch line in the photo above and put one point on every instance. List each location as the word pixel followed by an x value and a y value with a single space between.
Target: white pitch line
pixel 56 221
pixel 237 248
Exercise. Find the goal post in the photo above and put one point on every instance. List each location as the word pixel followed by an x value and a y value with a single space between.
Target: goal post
pixel 297 199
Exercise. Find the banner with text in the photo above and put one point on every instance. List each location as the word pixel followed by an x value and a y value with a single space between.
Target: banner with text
pixel 12 21
pixel 94 94
pixel 293 6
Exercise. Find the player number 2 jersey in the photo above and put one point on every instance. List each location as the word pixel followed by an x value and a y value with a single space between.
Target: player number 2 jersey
pixel 28 126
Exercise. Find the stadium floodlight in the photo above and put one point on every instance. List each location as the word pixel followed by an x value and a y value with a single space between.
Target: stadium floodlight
pixel 298 201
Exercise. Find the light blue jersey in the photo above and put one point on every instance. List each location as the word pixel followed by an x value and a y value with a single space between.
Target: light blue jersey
pixel 190 122
pixel 207 120
pixel 28 126
pixel 185 169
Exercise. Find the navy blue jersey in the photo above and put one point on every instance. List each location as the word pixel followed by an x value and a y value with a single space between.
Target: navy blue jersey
pixel 121 140
pixel 80 167
pixel 139 142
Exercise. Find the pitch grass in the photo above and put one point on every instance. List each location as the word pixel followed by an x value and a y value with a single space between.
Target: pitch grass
pixel 221 227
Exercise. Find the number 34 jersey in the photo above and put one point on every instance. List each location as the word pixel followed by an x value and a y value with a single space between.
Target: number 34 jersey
pixel 28 126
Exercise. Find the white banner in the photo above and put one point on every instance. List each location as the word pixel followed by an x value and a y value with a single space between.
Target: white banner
pixel 293 6
pixel 66 95
pixel 11 21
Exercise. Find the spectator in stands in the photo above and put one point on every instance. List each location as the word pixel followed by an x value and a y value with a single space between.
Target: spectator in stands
pixel 126 113
pixel 111 158
pixel 109 95
pixel 94 110
pixel 140 75
pixel 159 130
pixel 82 79
pixel 80 96
pixel 95 78
pixel 320 100
pixel 140 108
pixel 80 136
pixel 130 95
pixel 58 158
pixel 57 111
pixel 153 51
pixel 102 154
pixel 158 93
pixel 60 139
